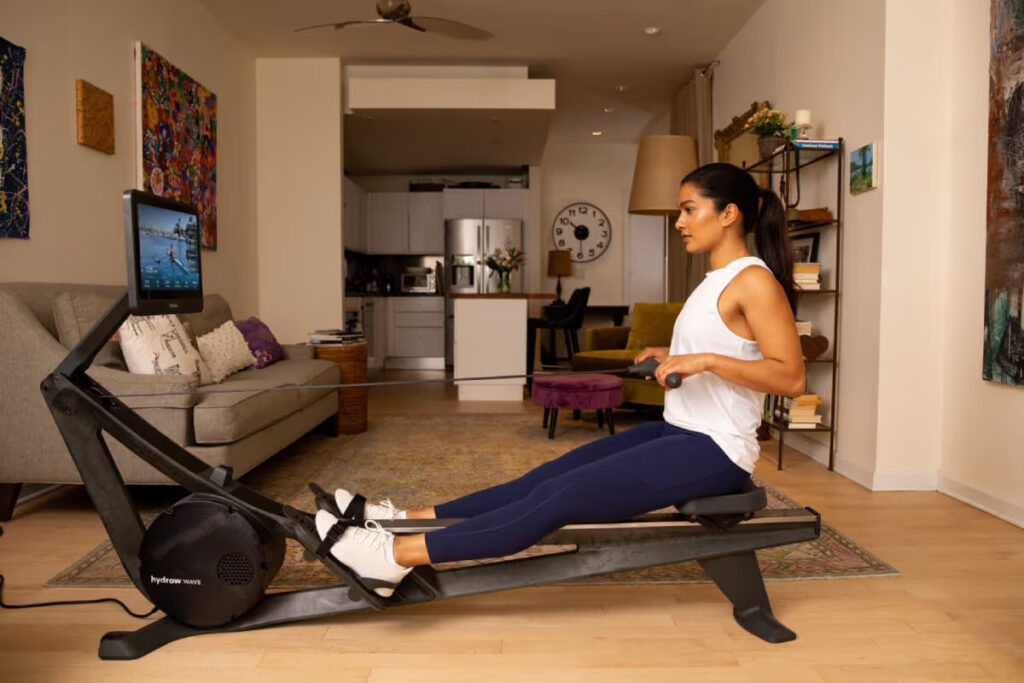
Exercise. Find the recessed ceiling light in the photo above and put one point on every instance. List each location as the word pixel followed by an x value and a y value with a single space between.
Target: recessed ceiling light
pixel 596 132
pixel 609 110
pixel 652 30
pixel 620 88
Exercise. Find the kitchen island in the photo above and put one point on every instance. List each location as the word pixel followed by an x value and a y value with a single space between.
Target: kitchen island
pixel 490 339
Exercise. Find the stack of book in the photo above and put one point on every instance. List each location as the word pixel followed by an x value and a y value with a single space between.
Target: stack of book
pixel 803 328
pixel 807 276
pixel 335 336
pixel 795 413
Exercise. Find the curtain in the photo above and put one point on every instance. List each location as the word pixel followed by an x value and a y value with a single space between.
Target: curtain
pixel 691 115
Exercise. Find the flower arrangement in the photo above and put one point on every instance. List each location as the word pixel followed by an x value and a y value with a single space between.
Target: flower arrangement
pixel 503 262
pixel 768 122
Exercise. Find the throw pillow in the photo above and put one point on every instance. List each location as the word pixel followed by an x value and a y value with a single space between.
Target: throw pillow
pixel 225 351
pixel 261 341
pixel 74 314
pixel 158 345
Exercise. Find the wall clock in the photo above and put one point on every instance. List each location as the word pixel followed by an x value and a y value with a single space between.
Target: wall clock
pixel 583 229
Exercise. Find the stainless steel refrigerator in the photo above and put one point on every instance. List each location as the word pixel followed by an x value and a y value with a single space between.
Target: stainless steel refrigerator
pixel 466 242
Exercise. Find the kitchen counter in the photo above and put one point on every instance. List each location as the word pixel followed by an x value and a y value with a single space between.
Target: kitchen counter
pixel 490 340
pixel 392 294
pixel 511 295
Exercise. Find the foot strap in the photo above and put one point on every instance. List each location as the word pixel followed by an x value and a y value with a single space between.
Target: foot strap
pixel 333 535
pixel 356 508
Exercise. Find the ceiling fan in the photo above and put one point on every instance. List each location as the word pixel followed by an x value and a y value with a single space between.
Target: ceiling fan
pixel 398 11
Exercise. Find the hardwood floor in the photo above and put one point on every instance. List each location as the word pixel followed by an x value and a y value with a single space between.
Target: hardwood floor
pixel 956 613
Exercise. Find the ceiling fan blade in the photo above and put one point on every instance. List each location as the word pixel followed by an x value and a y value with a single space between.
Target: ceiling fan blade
pixel 449 27
pixel 343 24
pixel 411 24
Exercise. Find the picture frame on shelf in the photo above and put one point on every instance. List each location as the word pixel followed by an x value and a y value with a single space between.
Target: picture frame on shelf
pixel 805 248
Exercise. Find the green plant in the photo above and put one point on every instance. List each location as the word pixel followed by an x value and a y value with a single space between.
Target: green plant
pixel 767 122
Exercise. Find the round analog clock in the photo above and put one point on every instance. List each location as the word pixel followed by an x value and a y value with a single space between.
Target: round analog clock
pixel 583 229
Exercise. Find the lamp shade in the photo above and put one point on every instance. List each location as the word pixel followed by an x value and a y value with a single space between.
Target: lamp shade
pixel 559 263
pixel 662 161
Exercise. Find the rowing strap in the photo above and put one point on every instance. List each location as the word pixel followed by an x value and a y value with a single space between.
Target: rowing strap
pixel 368 384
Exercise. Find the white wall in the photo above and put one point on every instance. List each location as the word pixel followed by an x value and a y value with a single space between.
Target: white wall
pixel 915 217
pixel 77 230
pixel 833 65
pixel 299 162
pixel 981 428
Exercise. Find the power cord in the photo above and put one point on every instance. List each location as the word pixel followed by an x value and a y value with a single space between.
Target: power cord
pixel 71 602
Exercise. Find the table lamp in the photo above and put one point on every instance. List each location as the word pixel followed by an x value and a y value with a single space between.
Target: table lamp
pixel 559 264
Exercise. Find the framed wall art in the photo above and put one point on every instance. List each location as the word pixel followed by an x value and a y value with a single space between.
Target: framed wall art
pixel 13 148
pixel 1003 357
pixel 177 137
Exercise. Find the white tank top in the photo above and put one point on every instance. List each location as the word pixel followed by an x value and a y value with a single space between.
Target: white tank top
pixel 729 413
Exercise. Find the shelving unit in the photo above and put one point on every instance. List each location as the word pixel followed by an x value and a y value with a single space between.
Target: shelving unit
pixel 786 164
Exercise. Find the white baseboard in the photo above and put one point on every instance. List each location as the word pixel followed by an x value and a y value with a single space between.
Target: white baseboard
pixel 924 480
pixel 1003 509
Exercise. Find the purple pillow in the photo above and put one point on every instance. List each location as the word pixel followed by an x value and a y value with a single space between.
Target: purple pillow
pixel 262 344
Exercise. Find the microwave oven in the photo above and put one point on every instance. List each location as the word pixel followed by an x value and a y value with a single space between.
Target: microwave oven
pixel 415 283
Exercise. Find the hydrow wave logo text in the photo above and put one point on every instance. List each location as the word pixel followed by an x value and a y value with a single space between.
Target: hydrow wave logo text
pixel 157 580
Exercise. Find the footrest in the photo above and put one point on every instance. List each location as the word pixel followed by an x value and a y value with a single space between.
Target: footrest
pixel 305 533
pixel 750 498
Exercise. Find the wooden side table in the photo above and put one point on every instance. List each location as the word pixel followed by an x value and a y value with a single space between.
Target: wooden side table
pixel 351 360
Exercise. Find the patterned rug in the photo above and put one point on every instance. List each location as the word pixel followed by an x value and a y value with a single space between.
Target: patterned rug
pixel 419 460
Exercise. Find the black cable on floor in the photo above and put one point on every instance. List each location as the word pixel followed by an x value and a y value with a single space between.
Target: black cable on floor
pixel 71 602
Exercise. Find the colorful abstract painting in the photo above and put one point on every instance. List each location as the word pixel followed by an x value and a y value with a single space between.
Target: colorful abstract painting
pixel 177 138
pixel 1004 265
pixel 13 155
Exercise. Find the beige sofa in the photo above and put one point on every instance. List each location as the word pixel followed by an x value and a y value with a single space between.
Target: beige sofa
pixel 238 429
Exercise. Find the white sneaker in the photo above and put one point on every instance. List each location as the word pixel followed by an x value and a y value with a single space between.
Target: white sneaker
pixel 368 551
pixel 382 510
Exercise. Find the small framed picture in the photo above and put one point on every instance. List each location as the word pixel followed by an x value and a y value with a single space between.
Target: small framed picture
pixel 863 169
pixel 805 248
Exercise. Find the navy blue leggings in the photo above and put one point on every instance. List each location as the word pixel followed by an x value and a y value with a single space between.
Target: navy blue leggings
pixel 645 468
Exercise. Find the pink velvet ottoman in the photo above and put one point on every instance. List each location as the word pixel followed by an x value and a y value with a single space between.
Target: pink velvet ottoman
pixel 577 393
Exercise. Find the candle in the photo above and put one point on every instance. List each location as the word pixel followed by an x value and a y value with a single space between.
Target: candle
pixel 803 117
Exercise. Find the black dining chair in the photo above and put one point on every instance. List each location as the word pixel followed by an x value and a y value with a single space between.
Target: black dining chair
pixel 568 318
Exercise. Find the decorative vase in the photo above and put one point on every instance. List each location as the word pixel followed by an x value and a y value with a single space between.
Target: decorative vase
pixel 769 143
pixel 504 281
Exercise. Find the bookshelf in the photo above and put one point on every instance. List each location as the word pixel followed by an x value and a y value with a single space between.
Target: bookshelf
pixel 787 165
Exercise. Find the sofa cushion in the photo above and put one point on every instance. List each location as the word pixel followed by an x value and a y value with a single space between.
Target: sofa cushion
pixel 158 345
pixel 651 325
pixel 227 417
pixel 605 359
pixel 261 341
pixel 225 351
pixel 74 314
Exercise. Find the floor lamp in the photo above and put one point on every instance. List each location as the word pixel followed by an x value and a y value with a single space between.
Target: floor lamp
pixel 662 161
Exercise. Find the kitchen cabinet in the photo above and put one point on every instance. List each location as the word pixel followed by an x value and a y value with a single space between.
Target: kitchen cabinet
pixel 485 203
pixel 416 336
pixel 426 223
pixel 463 203
pixel 506 203
pixel 389 223
pixel 377 329
pixel 354 216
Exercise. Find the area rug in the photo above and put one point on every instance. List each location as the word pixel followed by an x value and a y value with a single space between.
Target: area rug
pixel 420 460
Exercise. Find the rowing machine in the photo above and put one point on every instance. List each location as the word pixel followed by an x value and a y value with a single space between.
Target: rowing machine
pixel 207 561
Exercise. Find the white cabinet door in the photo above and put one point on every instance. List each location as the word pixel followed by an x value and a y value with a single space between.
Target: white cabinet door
pixel 389 223
pixel 426 223
pixel 376 326
pixel 505 204
pixel 463 203
pixel 355 223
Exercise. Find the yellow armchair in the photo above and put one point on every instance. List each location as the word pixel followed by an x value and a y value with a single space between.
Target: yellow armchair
pixel 609 348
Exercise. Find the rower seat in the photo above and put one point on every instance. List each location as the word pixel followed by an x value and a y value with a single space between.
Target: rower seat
pixel 722 512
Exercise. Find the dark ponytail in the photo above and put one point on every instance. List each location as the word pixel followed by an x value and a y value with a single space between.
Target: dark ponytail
pixel 726 184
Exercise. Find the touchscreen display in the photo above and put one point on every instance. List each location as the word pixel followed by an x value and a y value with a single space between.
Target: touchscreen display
pixel 168 250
